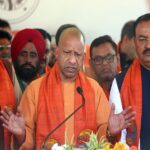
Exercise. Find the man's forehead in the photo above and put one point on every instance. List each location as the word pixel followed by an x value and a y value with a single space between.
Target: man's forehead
pixel 71 33
pixel 104 48
pixel 143 27
pixel 4 41
pixel 29 47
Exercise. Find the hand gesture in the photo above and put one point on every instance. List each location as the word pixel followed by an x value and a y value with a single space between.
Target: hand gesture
pixel 13 122
pixel 118 122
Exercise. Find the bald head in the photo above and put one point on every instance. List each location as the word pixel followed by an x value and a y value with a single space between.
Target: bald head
pixel 70 29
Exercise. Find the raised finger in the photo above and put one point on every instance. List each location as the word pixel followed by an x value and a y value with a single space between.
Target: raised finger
pixel 130 120
pixel 129 115
pixel 8 110
pixel 5 121
pixel 5 126
pixel 5 115
pixel 127 110
pixel 127 125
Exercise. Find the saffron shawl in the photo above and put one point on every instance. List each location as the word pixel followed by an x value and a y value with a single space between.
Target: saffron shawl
pixel 131 95
pixel 7 98
pixel 51 107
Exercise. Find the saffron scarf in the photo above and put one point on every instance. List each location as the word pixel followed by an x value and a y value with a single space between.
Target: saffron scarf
pixel 107 93
pixel 131 95
pixel 7 98
pixel 47 68
pixel 51 108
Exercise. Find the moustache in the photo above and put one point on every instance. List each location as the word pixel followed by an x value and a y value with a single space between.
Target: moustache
pixel 146 50
pixel 71 65
pixel 27 64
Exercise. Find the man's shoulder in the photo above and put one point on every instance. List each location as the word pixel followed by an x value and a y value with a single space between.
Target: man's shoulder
pixel 92 81
pixel 36 83
pixel 8 67
pixel 120 78
pixel 95 85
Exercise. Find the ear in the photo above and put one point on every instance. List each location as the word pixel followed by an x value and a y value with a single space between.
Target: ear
pixel 118 59
pixel 125 39
pixel 56 52
pixel 91 62
pixel 84 55
pixel 124 43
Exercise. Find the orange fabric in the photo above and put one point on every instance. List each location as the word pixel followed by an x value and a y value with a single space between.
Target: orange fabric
pixel 47 68
pixel 51 87
pixel 118 53
pixel 7 98
pixel 131 95
pixel 118 70
pixel 87 55
pixel 29 105
pixel 68 92
pixel 107 93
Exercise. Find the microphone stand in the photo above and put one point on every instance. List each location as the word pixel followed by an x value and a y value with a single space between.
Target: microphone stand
pixel 79 90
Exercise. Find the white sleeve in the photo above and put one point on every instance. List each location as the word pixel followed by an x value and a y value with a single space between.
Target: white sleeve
pixel 116 99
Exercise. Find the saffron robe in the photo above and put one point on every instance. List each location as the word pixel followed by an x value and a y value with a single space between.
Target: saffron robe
pixel 29 108
pixel 7 98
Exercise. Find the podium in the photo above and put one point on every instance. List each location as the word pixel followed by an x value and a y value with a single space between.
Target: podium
pixel 2 146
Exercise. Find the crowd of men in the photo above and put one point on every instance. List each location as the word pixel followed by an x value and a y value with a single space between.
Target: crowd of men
pixel 45 92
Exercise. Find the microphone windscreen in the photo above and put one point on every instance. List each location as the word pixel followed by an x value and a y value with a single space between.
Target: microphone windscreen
pixel 79 90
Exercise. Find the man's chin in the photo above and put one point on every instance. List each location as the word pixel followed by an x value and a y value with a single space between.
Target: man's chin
pixel 70 75
pixel 27 74
pixel 106 78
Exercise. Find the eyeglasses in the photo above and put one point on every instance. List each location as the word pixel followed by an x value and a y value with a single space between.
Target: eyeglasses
pixel 98 60
pixel 2 47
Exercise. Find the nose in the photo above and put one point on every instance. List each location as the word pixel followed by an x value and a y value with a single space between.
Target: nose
pixel 148 43
pixel 72 58
pixel 28 58
pixel 104 62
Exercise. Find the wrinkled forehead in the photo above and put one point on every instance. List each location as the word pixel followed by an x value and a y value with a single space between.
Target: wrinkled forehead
pixel 73 33
pixel 143 28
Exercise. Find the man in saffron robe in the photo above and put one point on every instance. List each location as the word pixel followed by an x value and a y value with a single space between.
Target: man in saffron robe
pixel 48 100
pixel 7 98
pixel 132 87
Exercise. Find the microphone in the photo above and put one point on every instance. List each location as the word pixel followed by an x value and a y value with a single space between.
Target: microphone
pixel 79 90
